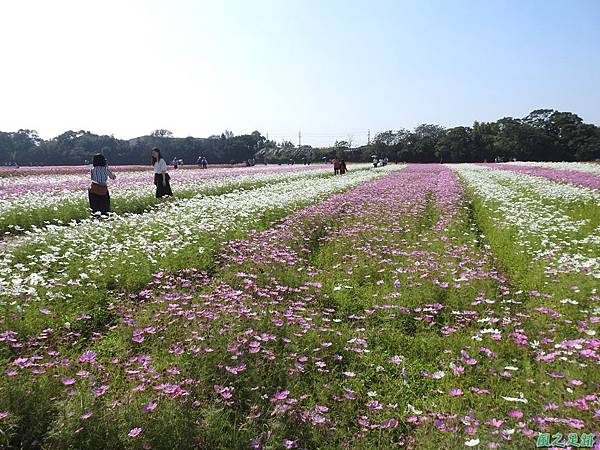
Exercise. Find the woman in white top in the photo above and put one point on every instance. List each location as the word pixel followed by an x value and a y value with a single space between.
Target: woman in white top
pixel 98 193
pixel 161 177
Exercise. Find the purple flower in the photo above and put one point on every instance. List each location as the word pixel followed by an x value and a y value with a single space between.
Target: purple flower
pixel 88 357
pixel 456 392
pixel 150 407
pixel 68 381
pixel 389 423
pixel 100 390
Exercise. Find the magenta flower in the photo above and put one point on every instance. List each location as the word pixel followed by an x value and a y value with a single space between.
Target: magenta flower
pixel 456 392
pixel 68 381
pixel 515 413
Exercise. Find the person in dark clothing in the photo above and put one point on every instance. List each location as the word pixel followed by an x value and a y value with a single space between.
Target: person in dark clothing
pixel 161 177
pixel 343 168
pixel 98 194
pixel 336 166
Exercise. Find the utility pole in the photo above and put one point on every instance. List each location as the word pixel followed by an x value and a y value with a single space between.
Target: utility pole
pixel 299 139
pixel 369 137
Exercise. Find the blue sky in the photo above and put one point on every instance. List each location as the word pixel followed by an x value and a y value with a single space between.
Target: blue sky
pixel 331 69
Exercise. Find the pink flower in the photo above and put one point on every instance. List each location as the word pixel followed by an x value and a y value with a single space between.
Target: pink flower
pixel 515 413
pixel 495 422
pixel 134 432
pixel 237 369
pixel 68 381
pixel 456 392
pixel 280 396
pixel 396 360
pixel 87 415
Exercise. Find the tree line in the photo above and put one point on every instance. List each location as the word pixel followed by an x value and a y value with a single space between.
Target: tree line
pixel 25 147
pixel 543 135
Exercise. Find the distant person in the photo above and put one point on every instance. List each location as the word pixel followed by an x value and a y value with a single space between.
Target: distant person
pixel 98 193
pixel 175 162
pixel 343 168
pixel 199 161
pixel 336 166
pixel 161 177
pixel 204 163
pixel 385 161
pixel 375 162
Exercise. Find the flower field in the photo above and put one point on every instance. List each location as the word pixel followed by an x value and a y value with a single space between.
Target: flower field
pixel 35 200
pixel 421 306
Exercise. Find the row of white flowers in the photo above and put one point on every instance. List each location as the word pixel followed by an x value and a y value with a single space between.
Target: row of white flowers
pixel 80 254
pixel 540 211
pixel 131 188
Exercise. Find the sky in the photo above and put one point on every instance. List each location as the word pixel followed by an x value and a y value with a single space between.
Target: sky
pixel 330 69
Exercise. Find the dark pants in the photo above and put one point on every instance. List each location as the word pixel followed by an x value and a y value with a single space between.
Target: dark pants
pixel 99 203
pixel 162 191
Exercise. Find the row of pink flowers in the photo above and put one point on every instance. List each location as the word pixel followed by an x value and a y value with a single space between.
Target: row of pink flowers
pixel 584 179
pixel 142 175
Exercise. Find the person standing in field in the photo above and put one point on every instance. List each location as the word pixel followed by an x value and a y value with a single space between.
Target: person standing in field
pixel 204 162
pixel 336 166
pixel 343 168
pixel 161 177
pixel 98 193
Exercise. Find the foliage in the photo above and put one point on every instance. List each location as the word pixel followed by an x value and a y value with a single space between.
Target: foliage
pixel 543 135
